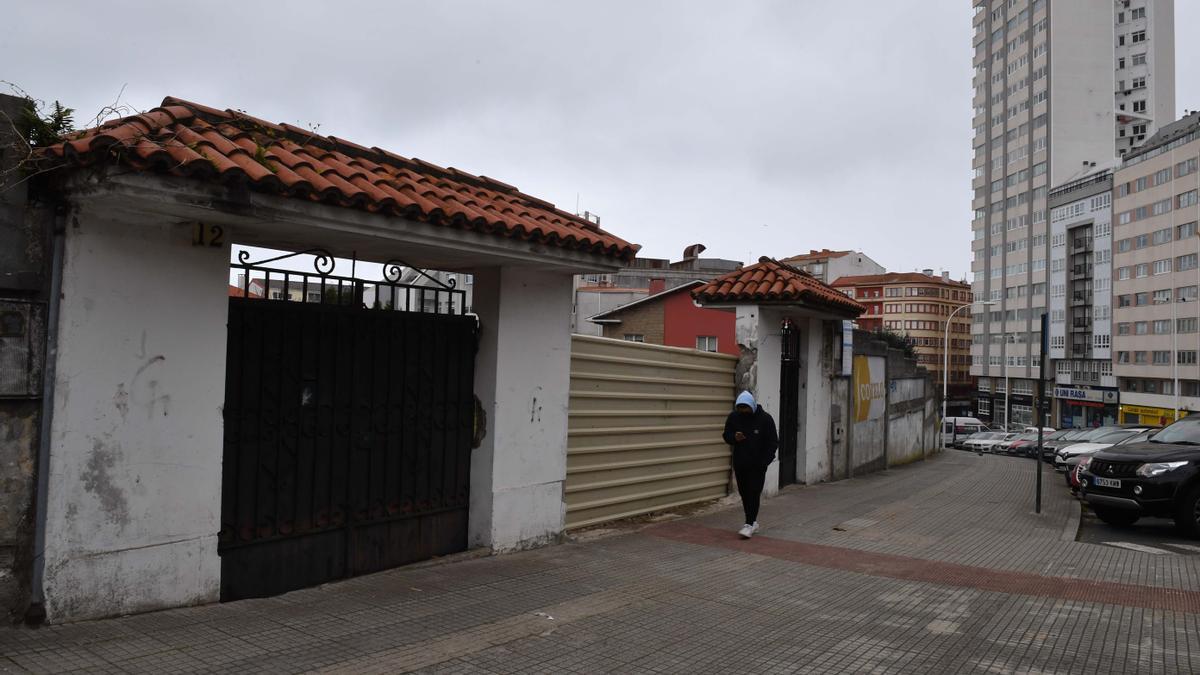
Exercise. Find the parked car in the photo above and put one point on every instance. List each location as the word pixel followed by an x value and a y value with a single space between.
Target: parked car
pixel 975 441
pixel 1062 439
pixel 1073 464
pixel 1011 446
pixel 992 444
pixel 1066 458
pixel 956 430
pixel 1084 436
pixel 1159 477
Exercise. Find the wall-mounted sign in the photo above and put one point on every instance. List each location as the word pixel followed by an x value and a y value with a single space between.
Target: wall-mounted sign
pixel 847 347
pixel 1080 394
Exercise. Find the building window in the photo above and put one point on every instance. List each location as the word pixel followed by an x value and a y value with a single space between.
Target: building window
pixel 1186 262
pixel 1186 199
pixel 1162 326
pixel 1186 294
pixel 706 343
pixel 1162 358
pixel 634 337
pixel 1138 59
pixel 1139 106
pixel 1187 357
pixel 1138 36
pixel 1162 296
pixel 1186 325
pixel 1162 266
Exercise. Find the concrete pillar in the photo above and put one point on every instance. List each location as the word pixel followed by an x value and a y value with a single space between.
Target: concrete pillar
pixel 817 394
pixel 134 500
pixel 758 328
pixel 522 379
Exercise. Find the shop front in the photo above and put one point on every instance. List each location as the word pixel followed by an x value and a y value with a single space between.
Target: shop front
pixel 1081 407
pixel 1149 415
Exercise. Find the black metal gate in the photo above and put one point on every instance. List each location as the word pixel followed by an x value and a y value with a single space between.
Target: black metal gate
pixel 349 416
pixel 789 402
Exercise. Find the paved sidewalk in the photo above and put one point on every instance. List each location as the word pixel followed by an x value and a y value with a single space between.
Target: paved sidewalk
pixel 938 567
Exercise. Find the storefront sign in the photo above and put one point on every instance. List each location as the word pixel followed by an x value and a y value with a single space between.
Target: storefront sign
pixel 1151 412
pixel 1078 394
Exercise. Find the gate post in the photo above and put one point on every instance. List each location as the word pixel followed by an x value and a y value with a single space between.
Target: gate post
pixel 522 379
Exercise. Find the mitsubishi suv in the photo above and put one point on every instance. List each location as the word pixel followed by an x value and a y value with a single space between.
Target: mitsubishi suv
pixel 1159 477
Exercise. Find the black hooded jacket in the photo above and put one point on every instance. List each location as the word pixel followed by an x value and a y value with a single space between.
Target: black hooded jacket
pixel 761 437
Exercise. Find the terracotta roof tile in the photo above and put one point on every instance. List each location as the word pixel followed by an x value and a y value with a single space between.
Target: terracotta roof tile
pixel 771 281
pixel 187 139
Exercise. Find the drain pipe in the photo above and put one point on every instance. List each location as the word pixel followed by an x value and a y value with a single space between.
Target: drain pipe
pixel 36 613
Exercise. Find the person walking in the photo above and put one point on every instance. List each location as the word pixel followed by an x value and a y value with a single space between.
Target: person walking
pixel 750 431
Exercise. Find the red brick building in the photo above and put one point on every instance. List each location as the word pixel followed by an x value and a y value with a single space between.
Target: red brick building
pixel 671 318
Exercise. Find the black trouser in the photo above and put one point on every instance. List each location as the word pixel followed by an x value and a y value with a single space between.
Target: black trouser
pixel 750 479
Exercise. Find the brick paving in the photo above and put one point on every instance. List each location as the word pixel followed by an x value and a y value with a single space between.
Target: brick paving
pixel 938 567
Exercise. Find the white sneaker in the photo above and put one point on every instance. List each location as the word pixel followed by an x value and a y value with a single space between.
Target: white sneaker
pixel 748 531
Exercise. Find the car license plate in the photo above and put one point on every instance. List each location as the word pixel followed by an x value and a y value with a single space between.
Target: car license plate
pixel 1106 482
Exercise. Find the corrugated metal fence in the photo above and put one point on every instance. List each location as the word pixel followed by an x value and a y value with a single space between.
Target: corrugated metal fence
pixel 645 428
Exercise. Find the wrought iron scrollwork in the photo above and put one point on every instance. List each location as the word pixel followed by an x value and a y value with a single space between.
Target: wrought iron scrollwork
pixel 323 261
pixel 392 270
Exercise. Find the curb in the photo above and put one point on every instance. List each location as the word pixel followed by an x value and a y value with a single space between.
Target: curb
pixel 1071 529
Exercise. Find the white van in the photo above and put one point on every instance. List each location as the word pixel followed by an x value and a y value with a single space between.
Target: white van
pixel 955 430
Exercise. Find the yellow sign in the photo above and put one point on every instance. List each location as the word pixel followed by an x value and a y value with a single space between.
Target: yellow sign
pixel 1149 415
pixel 870 390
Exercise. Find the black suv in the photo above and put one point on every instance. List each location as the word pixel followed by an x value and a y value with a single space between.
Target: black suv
pixel 1160 477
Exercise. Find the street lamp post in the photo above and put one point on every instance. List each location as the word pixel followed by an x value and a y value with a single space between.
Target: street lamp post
pixel 946 361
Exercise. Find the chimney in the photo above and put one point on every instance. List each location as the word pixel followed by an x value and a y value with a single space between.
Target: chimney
pixel 927 272
pixel 945 275
pixel 657 286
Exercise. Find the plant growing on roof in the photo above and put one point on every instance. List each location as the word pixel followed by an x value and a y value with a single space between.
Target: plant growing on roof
pixel 46 128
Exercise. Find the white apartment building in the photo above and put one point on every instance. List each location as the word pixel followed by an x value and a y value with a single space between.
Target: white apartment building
pixel 1080 303
pixel 1046 115
pixel 1156 262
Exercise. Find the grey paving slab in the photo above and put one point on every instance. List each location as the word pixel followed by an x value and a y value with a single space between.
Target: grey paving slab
pixel 640 602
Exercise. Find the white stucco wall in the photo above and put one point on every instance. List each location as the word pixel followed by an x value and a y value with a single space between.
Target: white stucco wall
pixel 136 443
pixel 522 381
pixel 816 433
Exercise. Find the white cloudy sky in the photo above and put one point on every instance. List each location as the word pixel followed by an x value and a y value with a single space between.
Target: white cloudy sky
pixel 755 128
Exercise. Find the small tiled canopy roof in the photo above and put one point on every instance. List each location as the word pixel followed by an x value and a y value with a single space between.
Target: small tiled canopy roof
pixel 187 139
pixel 770 281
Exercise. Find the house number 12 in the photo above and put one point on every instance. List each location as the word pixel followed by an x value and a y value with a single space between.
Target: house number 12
pixel 208 235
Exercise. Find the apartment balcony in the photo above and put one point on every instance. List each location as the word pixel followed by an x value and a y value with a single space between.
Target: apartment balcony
pixel 1080 323
pixel 1081 272
pixel 1081 299
pixel 1087 377
pixel 1082 244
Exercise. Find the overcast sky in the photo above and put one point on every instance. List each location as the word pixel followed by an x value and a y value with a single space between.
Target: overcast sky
pixel 755 128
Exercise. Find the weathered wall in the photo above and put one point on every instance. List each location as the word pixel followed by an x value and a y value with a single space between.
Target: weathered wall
pixel 868 431
pixel 522 378
pixel 817 403
pixel 24 238
pixel 136 441
pixel 906 437
pixel 645 429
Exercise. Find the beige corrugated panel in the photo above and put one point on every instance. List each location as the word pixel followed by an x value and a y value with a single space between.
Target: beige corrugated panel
pixel 645 428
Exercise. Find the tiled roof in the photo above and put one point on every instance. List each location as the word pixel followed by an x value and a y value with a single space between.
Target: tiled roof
pixel 895 278
pixel 817 255
pixel 775 282
pixel 187 139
